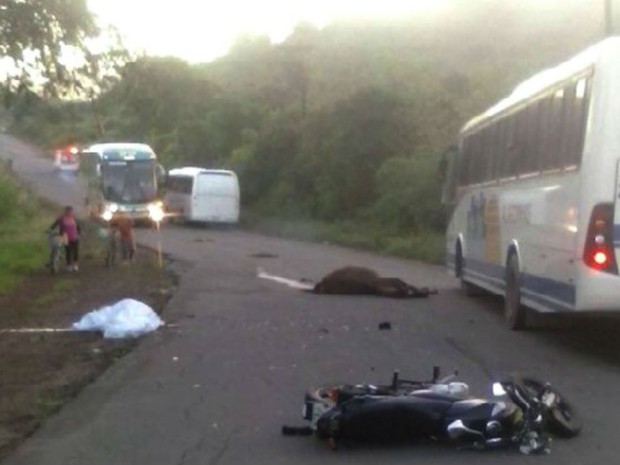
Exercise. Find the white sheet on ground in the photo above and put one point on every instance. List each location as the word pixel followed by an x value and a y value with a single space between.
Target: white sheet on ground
pixel 126 318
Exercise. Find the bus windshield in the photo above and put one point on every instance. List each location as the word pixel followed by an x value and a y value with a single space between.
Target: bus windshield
pixel 129 181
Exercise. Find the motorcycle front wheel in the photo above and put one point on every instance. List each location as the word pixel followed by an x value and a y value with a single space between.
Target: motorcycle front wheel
pixel 55 259
pixel 563 420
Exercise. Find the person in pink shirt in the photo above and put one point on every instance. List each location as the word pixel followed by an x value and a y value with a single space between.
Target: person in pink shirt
pixel 68 226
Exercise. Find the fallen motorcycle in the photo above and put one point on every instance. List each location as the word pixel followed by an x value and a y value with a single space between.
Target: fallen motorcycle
pixel 525 415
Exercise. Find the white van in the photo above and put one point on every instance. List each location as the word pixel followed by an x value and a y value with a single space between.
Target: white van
pixel 199 194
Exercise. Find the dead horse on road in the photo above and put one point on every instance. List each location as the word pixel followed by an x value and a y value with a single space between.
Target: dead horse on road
pixel 364 281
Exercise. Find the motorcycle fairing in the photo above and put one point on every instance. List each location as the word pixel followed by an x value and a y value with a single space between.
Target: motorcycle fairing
pixel 381 418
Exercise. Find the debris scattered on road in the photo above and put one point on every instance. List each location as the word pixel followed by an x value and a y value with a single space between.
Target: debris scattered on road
pixel 126 318
pixel 385 325
pixel 264 255
pixel 296 430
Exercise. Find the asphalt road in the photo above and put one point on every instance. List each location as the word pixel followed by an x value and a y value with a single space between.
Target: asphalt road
pixel 216 388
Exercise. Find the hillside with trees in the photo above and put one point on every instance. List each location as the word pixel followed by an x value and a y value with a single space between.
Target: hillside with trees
pixel 343 125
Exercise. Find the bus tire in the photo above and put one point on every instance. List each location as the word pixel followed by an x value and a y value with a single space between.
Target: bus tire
pixel 467 288
pixel 514 311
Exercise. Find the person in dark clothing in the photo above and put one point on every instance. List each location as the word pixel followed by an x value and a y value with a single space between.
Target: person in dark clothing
pixel 69 228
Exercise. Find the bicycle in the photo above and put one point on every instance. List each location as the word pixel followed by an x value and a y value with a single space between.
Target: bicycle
pixel 108 235
pixel 57 246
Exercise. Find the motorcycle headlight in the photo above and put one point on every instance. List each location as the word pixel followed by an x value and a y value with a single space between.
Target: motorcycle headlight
pixel 498 390
pixel 107 215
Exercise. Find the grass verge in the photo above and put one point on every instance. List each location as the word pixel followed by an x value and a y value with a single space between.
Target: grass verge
pixel 426 246
pixel 23 220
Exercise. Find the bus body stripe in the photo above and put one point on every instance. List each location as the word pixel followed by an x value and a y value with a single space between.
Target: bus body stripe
pixel 549 292
pixel 616 235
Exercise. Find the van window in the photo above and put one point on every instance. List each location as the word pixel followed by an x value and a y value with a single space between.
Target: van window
pixel 216 184
pixel 180 184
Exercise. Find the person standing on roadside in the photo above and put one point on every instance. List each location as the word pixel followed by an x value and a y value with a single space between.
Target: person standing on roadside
pixel 69 228
pixel 124 225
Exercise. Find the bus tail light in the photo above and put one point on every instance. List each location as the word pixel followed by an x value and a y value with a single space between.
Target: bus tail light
pixel 599 248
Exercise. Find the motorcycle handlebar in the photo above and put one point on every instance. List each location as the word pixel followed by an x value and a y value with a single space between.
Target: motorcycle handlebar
pixel 397 381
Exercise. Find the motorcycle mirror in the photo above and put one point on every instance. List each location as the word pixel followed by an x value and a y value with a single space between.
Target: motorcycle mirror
pixel 498 390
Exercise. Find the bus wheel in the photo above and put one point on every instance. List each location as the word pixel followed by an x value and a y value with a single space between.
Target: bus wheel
pixel 515 312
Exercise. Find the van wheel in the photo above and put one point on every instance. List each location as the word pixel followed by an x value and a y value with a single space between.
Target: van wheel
pixel 515 312
pixel 467 288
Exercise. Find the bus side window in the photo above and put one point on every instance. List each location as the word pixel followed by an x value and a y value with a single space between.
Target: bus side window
pixel 530 142
pixel 463 161
pixel 519 147
pixel 502 146
pixel 576 102
pixel 492 152
pixel 510 144
pixel 475 163
pixel 552 159
pixel 544 149
pixel 477 167
pixel 579 120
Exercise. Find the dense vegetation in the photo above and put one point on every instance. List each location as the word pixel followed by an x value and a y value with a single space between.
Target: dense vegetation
pixel 337 130
pixel 23 219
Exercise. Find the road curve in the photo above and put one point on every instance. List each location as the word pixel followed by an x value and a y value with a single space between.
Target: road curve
pixel 216 387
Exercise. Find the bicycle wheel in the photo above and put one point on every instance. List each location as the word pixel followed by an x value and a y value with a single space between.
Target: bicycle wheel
pixel 55 260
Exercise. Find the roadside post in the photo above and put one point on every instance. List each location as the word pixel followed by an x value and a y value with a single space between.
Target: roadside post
pixel 157 215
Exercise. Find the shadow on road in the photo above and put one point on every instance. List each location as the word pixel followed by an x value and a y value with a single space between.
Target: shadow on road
pixel 593 334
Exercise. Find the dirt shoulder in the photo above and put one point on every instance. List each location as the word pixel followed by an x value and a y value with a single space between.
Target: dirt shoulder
pixel 40 372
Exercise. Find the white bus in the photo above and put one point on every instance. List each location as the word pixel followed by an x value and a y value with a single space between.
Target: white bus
pixel 122 177
pixel 205 195
pixel 535 187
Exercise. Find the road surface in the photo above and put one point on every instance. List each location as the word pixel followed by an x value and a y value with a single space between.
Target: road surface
pixel 217 387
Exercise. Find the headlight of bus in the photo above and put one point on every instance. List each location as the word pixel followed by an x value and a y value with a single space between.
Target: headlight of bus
pixel 109 211
pixel 156 212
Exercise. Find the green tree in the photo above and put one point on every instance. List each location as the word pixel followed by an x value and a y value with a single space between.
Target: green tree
pixel 408 190
pixel 351 142
pixel 39 34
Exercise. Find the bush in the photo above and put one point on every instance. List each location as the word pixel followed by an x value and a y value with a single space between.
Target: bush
pixel 8 198
pixel 23 247
pixel 409 195
pixel 426 246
